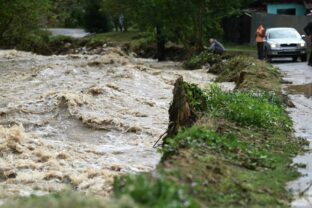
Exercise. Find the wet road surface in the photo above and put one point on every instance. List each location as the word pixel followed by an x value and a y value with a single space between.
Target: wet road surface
pixel 299 75
pixel 74 33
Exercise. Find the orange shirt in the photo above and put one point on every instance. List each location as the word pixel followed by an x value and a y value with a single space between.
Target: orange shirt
pixel 260 34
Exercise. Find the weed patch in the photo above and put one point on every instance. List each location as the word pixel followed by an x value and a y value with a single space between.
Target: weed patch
pixel 228 145
pixel 257 109
pixel 249 73
pixel 150 191
pixel 205 57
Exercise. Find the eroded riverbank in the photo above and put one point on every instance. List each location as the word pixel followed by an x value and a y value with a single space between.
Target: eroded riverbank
pixel 79 120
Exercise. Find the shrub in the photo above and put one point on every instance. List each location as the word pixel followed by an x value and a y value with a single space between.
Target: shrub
pixel 205 57
pixel 258 109
pixel 152 192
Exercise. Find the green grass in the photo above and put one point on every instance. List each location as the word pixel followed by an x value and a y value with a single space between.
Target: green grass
pixel 209 169
pixel 243 49
pixel 229 145
pixel 121 37
pixel 258 109
pixel 240 47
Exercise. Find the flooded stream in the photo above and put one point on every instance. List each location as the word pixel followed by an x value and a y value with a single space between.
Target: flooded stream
pixel 300 92
pixel 80 120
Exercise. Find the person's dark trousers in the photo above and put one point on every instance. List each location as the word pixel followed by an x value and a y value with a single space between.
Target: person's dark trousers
pixel 310 59
pixel 260 49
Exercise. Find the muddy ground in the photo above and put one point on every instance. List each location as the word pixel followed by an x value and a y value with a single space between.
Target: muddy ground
pixel 79 120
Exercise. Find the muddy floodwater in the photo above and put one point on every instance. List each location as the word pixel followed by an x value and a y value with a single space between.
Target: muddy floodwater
pixel 300 92
pixel 303 89
pixel 79 120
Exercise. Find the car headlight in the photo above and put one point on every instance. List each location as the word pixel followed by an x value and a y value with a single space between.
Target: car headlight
pixel 273 45
pixel 302 44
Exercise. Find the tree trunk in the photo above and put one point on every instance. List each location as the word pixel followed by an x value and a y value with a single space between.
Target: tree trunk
pixel 181 114
pixel 160 44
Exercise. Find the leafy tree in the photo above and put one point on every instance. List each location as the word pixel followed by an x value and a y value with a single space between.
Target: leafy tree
pixel 191 22
pixel 96 19
pixel 115 8
pixel 20 20
pixel 67 13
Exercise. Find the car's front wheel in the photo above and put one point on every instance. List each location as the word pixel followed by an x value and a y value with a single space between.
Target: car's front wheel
pixel 303 58
pixel 294 58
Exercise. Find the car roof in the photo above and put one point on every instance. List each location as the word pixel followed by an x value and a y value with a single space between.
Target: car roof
pixel 280 28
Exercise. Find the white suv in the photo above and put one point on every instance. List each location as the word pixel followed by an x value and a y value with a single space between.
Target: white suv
pixel 284 42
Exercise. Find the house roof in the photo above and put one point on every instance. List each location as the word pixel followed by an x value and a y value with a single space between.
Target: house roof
pixel 262 3
pixel 308 4
pixel 285 1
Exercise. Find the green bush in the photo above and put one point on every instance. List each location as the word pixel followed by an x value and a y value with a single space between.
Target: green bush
pixel 152 192
pixel 258 109
pixel 197 61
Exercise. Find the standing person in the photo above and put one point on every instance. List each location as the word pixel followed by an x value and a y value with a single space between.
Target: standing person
pixel 308 30
pixel 260 34
pixel 216 47
pixel 122 22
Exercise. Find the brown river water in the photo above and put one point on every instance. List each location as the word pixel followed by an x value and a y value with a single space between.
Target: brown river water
pixel 79 120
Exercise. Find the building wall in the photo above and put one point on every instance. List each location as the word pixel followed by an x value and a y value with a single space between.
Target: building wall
pixel 271 20
pixel 300 9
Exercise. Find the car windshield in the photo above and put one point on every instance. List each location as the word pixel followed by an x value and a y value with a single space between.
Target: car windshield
pixel 283 33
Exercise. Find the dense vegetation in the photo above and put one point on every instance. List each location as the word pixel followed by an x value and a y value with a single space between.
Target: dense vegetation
pixel 162 19
pixel 20 20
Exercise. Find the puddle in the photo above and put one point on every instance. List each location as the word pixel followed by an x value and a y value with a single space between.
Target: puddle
pixel 81 120
pixel 305 89
pixel 299 93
